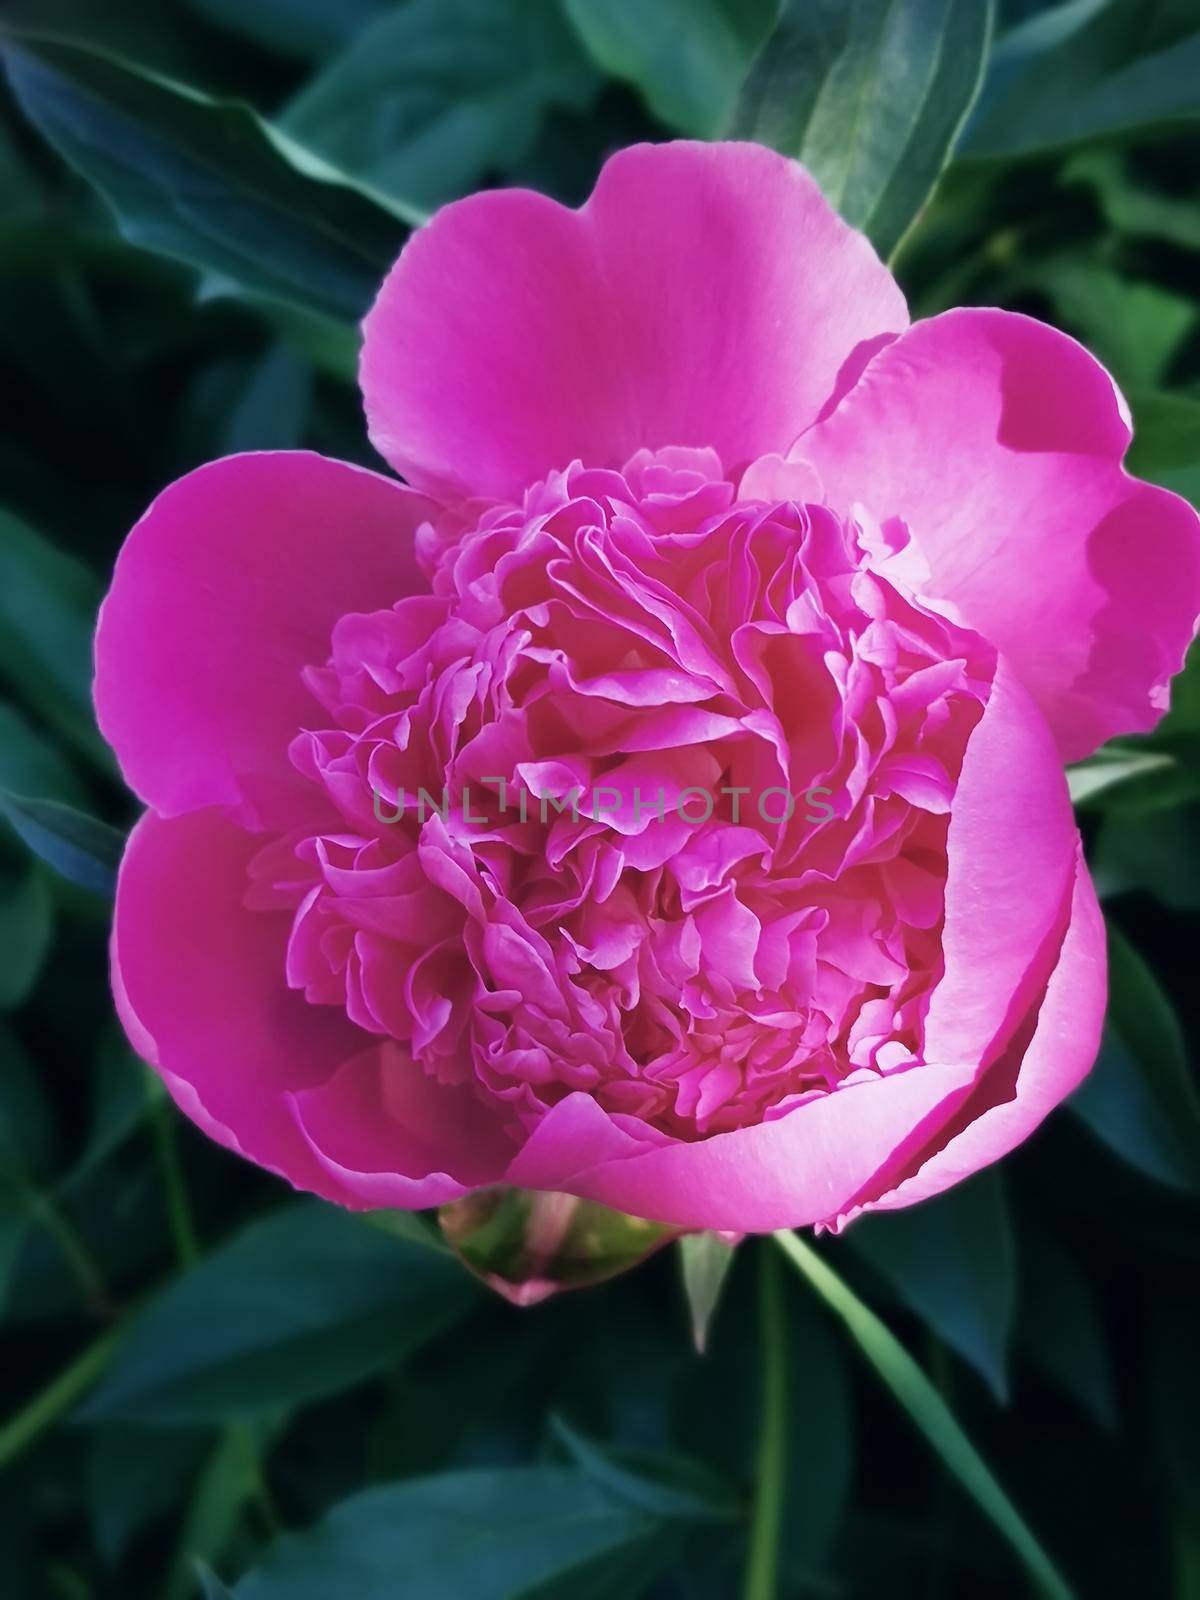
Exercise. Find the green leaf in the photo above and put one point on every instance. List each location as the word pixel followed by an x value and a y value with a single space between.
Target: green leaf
pixel 1174 1406
pixel 1109 769
pixel 207 181
pixel 135 1475
pixel 1135 327
pixel 48 605
pixel 1140 1097
pixel 706 1260
pixel 1130 204
pixel 1086 70
pixel 26 923
pixel 230 1481
pixel 14 1223
pixel 59 1396
pixel 211 1587
pixel 952 1259
pixel 309 29
pixel 674 1489
pixel 413 1226
pixel 497 1534
pixel 870 95
pixel 1154 852
pixel 271 412
pixel 28 1141
pixel 301 1304
pixel 124 1090
pixel 687 58
pixel 440 93
pixel 1061 1327
pixel 26 1122
pixel 79 848
pixel 928 1410
pixel 1166 442
pixel 31 765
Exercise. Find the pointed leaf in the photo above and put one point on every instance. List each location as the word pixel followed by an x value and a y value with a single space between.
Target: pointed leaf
pixel 1085 70
pixel 1062 1329
pixel 1140 1098
pixel 1111 767
pixel 870 95
pixel 48 603
pixel 492 1534
pixel 308 29
pixel 706 1260
pixel 26 922
pixel 953 1261
pixel 928 1410
pixel 81 849
pixel 687 57
pixel 301 1304
pixel 439 94
pixel 208 181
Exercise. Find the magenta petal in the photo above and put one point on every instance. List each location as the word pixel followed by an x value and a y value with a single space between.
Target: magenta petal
pixel 573 1136
pixel 706 295
pixel 199 982
pixel 1011 854
pixel 225 590
pixel 393 1136
pixel 998 441
pixel 803 1168
pixel 1056 1060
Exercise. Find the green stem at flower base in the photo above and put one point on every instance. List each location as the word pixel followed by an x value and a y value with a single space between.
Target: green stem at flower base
pixel 59 1395
pixel 762 1561
pixel 928 1410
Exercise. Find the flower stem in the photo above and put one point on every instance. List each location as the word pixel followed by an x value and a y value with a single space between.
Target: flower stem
pixel 928 1410
pixel 71 1384
pixel 762 1562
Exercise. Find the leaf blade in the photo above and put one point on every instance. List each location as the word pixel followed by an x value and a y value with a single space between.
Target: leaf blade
pixel 928 1411
pixel 302 1303
pixel 209 182
pixel 871 97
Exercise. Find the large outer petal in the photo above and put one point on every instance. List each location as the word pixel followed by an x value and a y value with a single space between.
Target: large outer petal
pixel 199 985
pixel 1053 1063
pixel 804 1168
pixel 388 1132
pixel 227 587
pixel 704 295
pixel 1011 853
pixel 998 441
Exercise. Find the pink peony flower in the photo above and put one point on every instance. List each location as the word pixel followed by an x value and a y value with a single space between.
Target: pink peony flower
pixel 731 635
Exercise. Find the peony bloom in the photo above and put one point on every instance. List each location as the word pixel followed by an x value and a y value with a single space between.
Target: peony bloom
pixel 732 634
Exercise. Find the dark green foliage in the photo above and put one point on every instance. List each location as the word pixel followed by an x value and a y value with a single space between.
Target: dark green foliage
pixel 211 1388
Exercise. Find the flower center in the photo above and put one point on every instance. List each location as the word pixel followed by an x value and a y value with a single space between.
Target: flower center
pixel 647 797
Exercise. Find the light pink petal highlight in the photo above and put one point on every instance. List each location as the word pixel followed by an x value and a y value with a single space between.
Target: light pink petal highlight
pixel 798 1170
pixel 1011 856
pixel 706 295
pixel 1056 1060
pixel 998 441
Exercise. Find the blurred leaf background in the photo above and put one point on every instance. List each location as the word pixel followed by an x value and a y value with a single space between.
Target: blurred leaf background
pixel 209 1386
